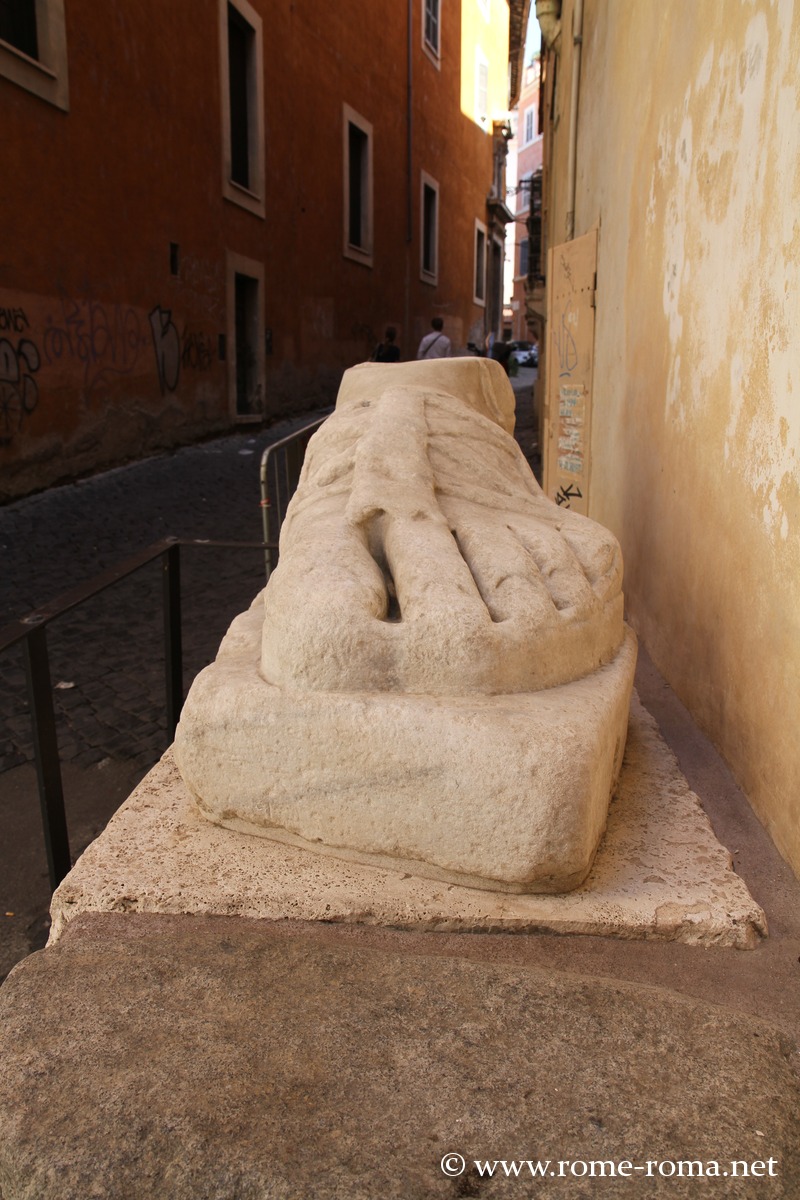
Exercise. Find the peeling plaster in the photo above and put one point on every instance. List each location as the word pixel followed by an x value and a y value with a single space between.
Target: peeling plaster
pixel 697 356
pixel 724 173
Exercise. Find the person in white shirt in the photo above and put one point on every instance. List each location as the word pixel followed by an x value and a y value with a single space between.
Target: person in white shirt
pixel 435 344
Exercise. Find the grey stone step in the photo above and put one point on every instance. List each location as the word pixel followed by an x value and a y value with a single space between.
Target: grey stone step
pixel 193 1058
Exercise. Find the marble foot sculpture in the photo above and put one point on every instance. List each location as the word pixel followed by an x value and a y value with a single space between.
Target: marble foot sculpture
pixel 438 674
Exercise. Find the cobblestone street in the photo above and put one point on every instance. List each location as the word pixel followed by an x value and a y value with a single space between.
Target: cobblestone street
pixel 107 655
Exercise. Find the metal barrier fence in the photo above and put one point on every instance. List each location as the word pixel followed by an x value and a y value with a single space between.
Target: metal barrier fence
pixel 31 630
pixel 281 464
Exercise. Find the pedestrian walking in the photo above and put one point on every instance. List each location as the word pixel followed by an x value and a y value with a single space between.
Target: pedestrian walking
pixel 435 344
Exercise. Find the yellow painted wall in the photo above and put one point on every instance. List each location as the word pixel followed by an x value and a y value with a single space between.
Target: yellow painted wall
pixel 689 156
pixel 484 29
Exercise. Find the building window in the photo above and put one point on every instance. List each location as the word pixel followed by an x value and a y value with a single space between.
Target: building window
pixel 481 86
pixel 431 29
pixel 480 263
pixel 536 262
pixel 358 168
pixel 244 343
pixel 523 257
pixel 429 225
pixel 241 56
pixel 357 187
pixel 529 126
pixel 524 193
pixel 33 48
pixel 18 26
pixel 242 75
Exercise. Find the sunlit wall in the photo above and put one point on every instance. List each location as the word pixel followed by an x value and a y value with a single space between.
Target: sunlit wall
pixel 484 61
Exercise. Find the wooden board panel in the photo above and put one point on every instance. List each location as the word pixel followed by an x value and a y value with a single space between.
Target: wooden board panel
pixel 571 279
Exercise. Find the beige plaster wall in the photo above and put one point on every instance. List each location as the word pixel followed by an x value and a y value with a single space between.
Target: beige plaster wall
pixel 689 156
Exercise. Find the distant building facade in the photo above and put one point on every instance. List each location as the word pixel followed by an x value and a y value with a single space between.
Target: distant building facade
pixel 205 227
pixel 528 145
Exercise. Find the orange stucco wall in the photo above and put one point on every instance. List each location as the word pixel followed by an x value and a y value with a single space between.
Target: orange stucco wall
pixel 105 354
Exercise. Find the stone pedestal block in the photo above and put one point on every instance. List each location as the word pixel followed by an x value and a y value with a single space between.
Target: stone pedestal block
pixel 498 792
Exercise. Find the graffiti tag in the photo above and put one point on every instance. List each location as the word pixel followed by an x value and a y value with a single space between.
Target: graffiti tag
pixel 19 391
pixel 167 345
pixel 565 494
pixel 13 320
pixel 197 353
pixel 105 339
pixel 566 348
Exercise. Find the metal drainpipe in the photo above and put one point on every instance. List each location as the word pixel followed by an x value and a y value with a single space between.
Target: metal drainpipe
pixel 577 42
pixel 409 123
pixel 409 171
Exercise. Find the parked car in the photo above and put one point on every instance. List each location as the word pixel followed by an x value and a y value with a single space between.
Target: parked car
pixel 525 354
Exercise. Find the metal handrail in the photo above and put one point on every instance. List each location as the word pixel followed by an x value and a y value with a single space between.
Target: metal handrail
pixel 31 630
pixel 289 453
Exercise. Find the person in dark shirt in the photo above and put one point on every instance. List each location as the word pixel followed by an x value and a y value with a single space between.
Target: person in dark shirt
pixel 387 351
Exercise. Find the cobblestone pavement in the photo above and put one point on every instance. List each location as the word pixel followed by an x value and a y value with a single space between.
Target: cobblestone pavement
pixel 106 656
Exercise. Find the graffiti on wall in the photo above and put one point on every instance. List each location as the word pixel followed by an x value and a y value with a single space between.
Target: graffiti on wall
pixel 13 320
pixel 565 495
pixel 194 351
pixel 564 340
pixel 87 344
pixel 19 391
pixel 104 340
pixel 197 353
pixel 167 345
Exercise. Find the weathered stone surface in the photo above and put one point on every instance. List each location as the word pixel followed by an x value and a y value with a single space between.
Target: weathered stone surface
pixel 420 555
pixel 659 873
pixel 155 1058
pixel 440 675
pixel 508 792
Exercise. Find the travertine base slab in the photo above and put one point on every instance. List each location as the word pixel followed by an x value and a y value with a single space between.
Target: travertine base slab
pixel 504 792
pixel 659 872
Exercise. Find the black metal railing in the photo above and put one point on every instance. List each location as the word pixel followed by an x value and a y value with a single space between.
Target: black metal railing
pixel 31 631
